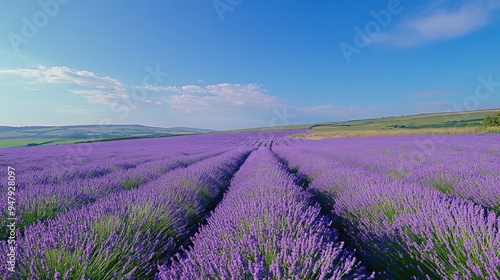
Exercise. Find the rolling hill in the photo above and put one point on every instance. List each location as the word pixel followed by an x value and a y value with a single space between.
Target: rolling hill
pixel 51 135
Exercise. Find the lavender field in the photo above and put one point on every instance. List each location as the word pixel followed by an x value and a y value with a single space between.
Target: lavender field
pixel 254 205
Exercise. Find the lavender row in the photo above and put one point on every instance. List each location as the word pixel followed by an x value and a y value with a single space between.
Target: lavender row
pixel 400 228
pixel 124 235
pixel 265 228
pixel 463 166
pixel 41 201
pixel 59 164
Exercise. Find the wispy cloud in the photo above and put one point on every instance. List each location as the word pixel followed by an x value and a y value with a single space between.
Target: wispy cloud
pixel 326 108
pixel 31 88
pixel 435 106
pixel 344 113
pixel 71 110
pixel 104 96
pixel 228 105
pixel 441 22
pixel 205 97
pixel 60 75
pixel 97 88
pixel 435 103
pixel 445 106
pixel 431 93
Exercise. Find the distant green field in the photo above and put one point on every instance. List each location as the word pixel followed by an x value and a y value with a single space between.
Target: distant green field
pixel 441 120
pixel 55 135
pixel 442 123
pixel 10 143
pixel 438 123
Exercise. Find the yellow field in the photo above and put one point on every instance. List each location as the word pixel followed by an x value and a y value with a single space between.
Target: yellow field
pixel 364 133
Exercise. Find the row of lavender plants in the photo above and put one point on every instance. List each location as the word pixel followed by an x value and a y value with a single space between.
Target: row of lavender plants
pixel 402 230
pixel 125 234
pixel 266 227
pixel 463 166
pixel 58 164
pixel 44 200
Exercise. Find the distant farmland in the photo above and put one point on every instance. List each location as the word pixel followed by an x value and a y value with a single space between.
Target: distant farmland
pixel 55 135
pixel 442 123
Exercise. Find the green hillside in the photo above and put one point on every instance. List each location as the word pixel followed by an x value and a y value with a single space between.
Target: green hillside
pixel 54 135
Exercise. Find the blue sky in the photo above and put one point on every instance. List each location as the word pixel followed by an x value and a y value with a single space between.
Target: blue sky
pixel 229 64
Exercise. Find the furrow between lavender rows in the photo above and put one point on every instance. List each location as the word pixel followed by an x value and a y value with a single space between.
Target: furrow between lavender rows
pixel 40 201
pixel 266 227
pixel 401 229
pixel 125 234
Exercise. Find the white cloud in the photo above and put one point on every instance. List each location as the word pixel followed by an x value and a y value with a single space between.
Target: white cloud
pixel 227 105
pixel 102 96
pixel 96 88
pixel 441 22
pixel 63 75
pixel 220 97
pixel 218 106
